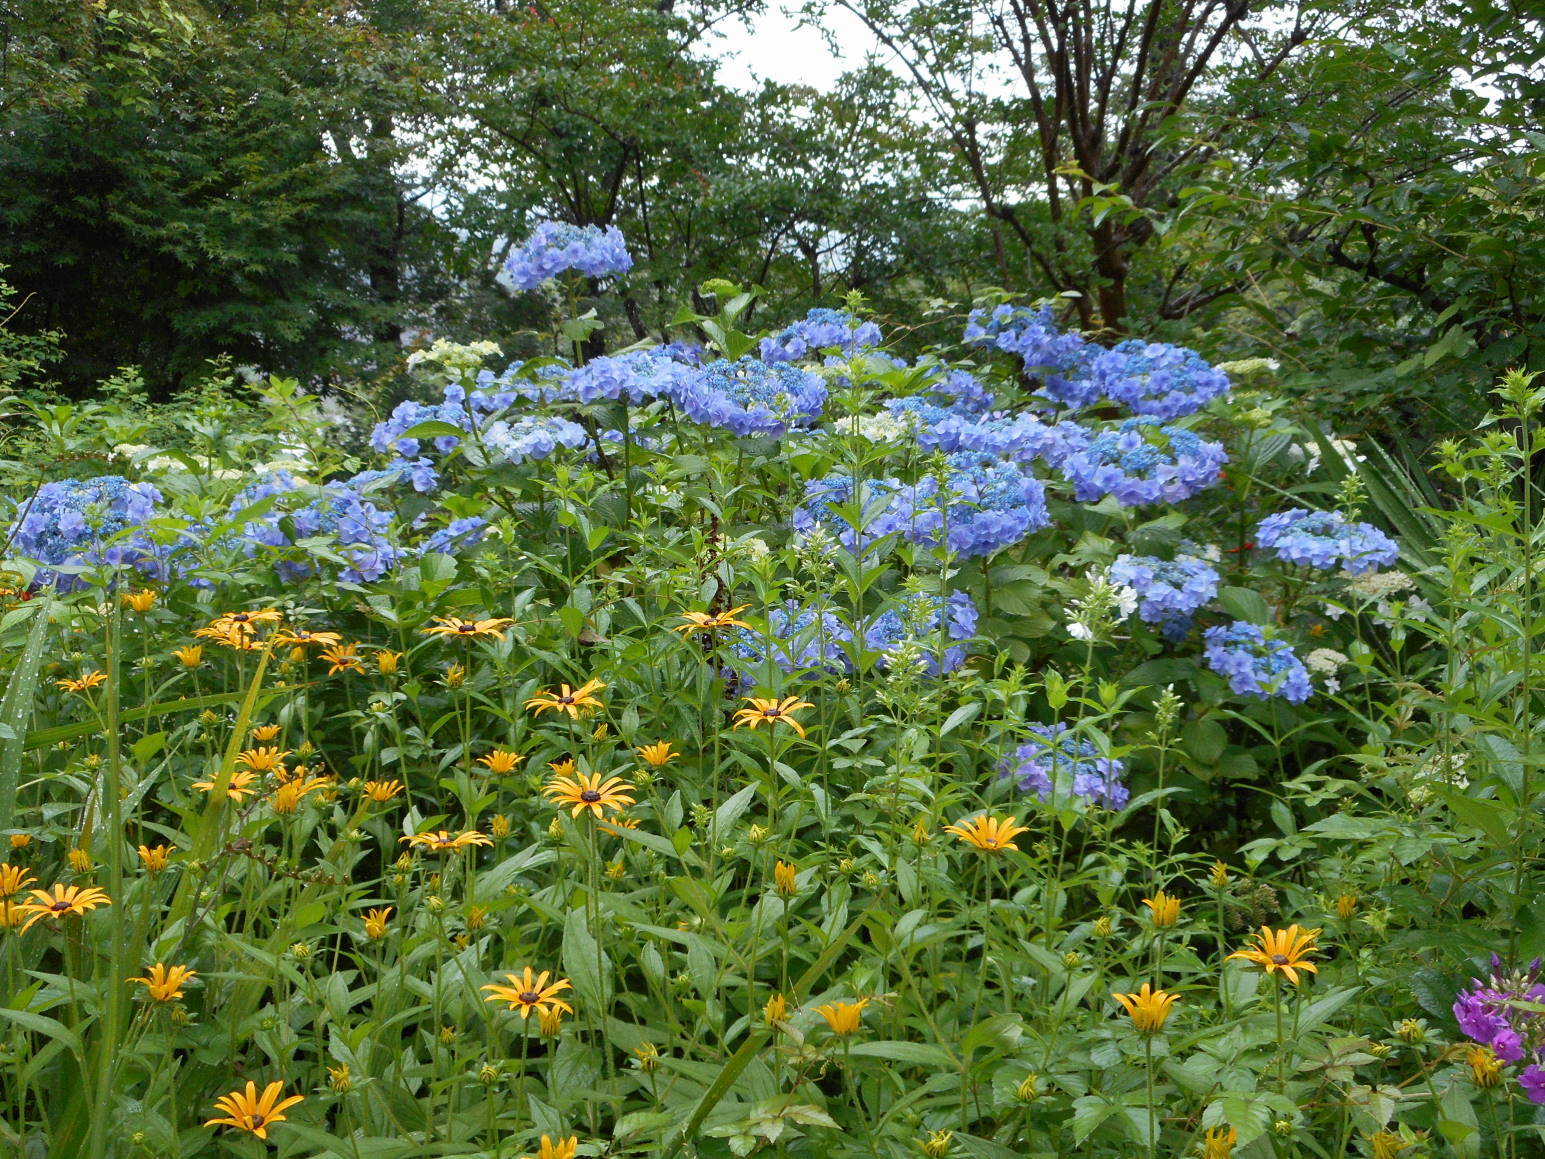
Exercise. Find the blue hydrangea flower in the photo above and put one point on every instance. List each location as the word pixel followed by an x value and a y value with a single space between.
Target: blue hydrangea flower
pixel 1155 378
pixel 1062 768
pixel 1021 437
pixel 340 512
pixel 1168 591
pixel 1257 665
pixel 963 391
pixel 821 329
pixel 1326 539
pixel 1031 334
pixel 876 516
pixel 917 617
pixel 982 505
pixel 751 397
pixel 1142 461
pixel 457 536
pixel 391 434
pixel 531 439
pixel 799 640
pixel 81 522
pixel 634 377
pixel 556 246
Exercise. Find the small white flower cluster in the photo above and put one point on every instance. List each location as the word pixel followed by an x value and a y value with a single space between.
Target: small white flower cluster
pixel 455 356
pixel 1378 585
pixel 1106 605
pixel 884 427
pixel 1326 663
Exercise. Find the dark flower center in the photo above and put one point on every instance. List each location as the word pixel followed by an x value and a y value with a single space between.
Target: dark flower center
pixel 240 618
pixel 1279 959
pixel 529 997
pixel 61 907
pixel 565 700
pixel 466 627
pixel 590 796
pixel 772 712
pixel 257 1121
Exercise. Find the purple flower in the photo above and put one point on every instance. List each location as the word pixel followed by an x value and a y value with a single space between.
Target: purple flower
pixel 1494 1013
pixel 1154 378
pixel 1168 591
pixel 980 506
pixel 75 523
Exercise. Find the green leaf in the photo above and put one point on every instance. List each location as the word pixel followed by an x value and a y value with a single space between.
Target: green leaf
pixel 20 693
pixel 1245 604
pixel 588 968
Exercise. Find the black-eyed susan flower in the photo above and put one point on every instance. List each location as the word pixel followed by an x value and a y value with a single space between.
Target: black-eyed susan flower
pixel 14 879
pixel 1346 906
pixel 616 825
pixel 843 1017
pixel 382 791
pixel 1218 876
pixel 499 826
pixel 342 658
pixel 80 860
pixel 1219 1142
pixel 153 858
pixel 141 601
pixel 989 834
pixel 262 760
pixel 288 796
pixel 570 700
pixel 549 1022
pixel 304 638
pixel 937 1145
pixel 712 621
pixel 500 762
pixel 387 662
pixel 528 992
pixel 1148 1008
pixel 241 786
pixel 86 680
pixel 64 901
pixel 20 840
pixel 455 676
pixel 656 755
pixel 775 1010
pixel 165 983
pixel 771 712
pixel 247 1111
pixel 564 768
pixel 444 842
pixel 375 923
pixel 190 656
pixel 338 1078
pixel 785 879
pixel 264 733
pixel 1286 950
pixel 469 629
pixel 1163 909
pixel 556 1148
pixel 588 791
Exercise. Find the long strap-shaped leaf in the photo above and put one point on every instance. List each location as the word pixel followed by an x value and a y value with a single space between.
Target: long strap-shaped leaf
pixel 16 708
pixel 755 1041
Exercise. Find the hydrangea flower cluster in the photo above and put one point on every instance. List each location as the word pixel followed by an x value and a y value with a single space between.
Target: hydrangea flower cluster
pixel 917 618
pixel 982 505
pixel 556 246
pixel 391 434
pixel 963 391
pixel 342 511
pixel 1325 539
pixel 1061 767
pixel 1020 437
pixel 799 640
pixel 634 377
pixel 1168 591
pixel 1256 665
pixel 79 522
pixel 532 438
pixel 876 515
pixel 1490 1013
pixel 821 329
pixel 1142 461
pixel 1032 335
pixel 1154 378
pixel 751 397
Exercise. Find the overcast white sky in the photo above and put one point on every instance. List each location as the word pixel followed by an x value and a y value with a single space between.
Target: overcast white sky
pixel 773 47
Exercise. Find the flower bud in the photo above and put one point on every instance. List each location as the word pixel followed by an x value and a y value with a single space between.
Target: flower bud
pixel 1028 1088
